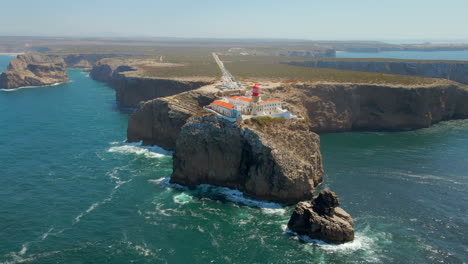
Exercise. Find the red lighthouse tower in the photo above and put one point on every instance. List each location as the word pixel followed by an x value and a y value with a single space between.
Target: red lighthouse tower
pixel 255 93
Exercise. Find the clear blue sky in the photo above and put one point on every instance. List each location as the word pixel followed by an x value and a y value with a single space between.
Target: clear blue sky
pixel 301 19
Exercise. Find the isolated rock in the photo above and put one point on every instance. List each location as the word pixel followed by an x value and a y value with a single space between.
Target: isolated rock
pixel 33 70
pixel 323 219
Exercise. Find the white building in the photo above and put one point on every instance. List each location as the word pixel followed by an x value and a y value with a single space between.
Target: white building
pixel 249 106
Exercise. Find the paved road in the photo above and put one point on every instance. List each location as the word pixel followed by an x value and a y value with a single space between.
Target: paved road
pixel 228 81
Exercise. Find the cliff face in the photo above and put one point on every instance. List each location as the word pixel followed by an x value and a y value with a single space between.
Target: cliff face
pixel 33 70
pixel 131 90
pixel 84 61
pixel 344 107
pixel 452 71
pixel 159 121
pixel 277 162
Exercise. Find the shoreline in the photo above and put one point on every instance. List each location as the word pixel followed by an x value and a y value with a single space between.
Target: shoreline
pixel 12 53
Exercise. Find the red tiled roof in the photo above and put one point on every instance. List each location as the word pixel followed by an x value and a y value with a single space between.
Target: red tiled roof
pixel 269 101
pixel 241 98
pixel 223 104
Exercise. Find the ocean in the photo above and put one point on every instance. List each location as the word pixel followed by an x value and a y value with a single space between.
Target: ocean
pixel 72 191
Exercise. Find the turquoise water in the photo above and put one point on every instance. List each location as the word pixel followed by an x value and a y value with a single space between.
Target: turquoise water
pixel 415 55
pixel 73 192
pixel 4 59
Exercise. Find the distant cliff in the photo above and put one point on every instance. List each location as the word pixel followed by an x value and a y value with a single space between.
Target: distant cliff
pixel 133 89
pixel 85 61
pixel 344 107
pixel 276 160
pixel 33 70
pixel 455 71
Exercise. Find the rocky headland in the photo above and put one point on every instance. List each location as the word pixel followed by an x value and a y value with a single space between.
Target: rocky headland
pixel 159 121
pixel 335 107
pixel 323 219
pixel 33 70
pixel 455 71
pixel 269 159
pixel 127 77
pixel 85 61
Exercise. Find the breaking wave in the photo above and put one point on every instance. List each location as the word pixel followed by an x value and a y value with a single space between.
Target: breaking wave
pixel 138 149
pixel 228 194
pixel 364 240
pixel 28 87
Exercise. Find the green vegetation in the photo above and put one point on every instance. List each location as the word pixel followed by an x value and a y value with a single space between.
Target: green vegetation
pixel 272 68
pixel 263 121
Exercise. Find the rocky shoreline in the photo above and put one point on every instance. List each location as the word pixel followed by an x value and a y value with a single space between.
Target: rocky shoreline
pixel 269 162
pixel 132 90
pixel 33 70
pixel 269 159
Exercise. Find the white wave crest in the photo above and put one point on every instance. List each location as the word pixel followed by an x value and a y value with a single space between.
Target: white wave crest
pixel 363 241
pixel 182 198
pixel 28 87
pixel 232 195
pixel 138 149
pixel 97 204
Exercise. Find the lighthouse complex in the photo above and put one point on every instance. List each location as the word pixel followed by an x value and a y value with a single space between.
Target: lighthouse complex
pixel 250 105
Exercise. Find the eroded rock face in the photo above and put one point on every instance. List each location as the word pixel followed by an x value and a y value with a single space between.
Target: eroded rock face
pixel 323 219
pixel 448 70
pixel 276 162
pixel 159 121
pixel 345 107
pixel 133 89
pixel 33 70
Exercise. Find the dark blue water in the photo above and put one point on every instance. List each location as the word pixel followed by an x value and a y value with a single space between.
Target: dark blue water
pixel 72 192
pixel 414 55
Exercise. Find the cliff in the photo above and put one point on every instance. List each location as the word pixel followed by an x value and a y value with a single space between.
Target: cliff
pixel 132 87
pixel 159 121
pixel 455 71
pixel 276 160
pixel 85 61
pixel 33 70
pixel 343 107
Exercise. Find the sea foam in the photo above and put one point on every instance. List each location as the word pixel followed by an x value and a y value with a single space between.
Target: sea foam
pixel 231 195
pixel 138 149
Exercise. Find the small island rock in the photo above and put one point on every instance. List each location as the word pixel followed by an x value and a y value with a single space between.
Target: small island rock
pixel 323 219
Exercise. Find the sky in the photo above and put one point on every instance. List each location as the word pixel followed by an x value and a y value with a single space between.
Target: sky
pixel 293 19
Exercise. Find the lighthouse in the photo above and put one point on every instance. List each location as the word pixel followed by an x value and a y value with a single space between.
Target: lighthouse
pixel 255 93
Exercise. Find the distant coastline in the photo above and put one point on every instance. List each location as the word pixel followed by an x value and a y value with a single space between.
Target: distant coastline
pixel 11 53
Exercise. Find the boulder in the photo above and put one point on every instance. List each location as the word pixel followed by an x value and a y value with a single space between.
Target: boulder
pixel 323 219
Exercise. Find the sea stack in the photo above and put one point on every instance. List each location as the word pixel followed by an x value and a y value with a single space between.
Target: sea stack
pixel 323 219
pixel 34 70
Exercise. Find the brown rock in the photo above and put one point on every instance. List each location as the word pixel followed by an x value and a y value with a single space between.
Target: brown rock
pixel 322 219
pixel 277 161
pixel 159 121
pixel 33 70
pixel 344 107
